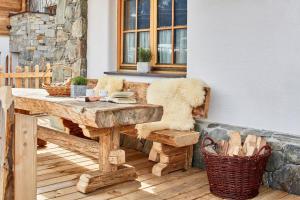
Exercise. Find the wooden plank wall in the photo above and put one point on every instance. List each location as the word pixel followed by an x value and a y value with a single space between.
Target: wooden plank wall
pixel 7 7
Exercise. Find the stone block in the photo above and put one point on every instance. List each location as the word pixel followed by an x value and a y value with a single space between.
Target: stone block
pixel 276 161
pixel 287 178
pixel 292 152
pixel 50 33
pixel 79 28
pixel 62 36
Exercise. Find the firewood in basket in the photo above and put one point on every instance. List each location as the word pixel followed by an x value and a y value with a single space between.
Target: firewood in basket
pixel 260 143
pixel 235 144
pixel 222 147
pixel 211 149
pixel 249 146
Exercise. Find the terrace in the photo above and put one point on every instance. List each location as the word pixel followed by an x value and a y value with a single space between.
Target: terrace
pixel 117 99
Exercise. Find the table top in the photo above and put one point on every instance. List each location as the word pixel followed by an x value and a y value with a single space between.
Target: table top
pixel 92 114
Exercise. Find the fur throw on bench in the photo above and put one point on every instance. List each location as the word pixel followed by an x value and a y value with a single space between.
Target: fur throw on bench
pixel 178 98
pixel 110 84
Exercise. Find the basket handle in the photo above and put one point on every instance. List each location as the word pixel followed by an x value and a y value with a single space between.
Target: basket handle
pixel 205 139
pixel 266 147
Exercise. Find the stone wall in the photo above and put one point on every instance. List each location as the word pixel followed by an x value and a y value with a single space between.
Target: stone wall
pixel 60 40
pixel 283 169
pixel 33 37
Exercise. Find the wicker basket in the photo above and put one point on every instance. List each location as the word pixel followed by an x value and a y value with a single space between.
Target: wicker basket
pixel 61 91
pixel 235 177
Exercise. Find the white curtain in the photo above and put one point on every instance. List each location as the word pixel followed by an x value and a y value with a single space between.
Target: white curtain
pixel 181 46
pixel 144 40
pixel 165 47
pixel 129 48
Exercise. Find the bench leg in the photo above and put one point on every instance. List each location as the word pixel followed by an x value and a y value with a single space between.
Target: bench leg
pixel 111 169
pixel 172 159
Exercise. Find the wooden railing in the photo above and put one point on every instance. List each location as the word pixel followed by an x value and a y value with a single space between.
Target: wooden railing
pixel 26 78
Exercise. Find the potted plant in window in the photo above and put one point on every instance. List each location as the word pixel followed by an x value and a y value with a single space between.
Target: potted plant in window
pixel 78 86
pixel 144 59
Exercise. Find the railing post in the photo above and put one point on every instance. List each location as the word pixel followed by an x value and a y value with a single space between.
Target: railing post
pixel 19 82
pixel 26 77
pixel 48 74
pixel 37 78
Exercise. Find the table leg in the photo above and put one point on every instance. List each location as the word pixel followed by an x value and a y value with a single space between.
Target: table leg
pixel 112 169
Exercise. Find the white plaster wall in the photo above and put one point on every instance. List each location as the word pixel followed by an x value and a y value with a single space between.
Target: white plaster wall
pixel 4 48
pixel 248 51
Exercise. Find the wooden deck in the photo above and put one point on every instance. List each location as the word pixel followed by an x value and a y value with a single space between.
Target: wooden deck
pixel 58 171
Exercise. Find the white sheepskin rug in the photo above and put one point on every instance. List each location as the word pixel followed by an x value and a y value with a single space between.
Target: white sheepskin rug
pixel 110 84
pixel 178 98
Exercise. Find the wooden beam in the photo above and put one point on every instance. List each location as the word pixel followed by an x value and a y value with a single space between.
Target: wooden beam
pixel 6 144
pixel 91 132
pixel 25 157
pixel 92 181
pixel 170 137
pixel 85 146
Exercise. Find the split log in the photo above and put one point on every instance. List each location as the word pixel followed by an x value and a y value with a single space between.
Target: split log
pixel 222 147
pixel 249 147
pixel 6 144
pixel 260 143
pixel 92 181
pixel 235 143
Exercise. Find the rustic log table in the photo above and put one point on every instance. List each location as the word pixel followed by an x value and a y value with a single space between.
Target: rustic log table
pixel 97 119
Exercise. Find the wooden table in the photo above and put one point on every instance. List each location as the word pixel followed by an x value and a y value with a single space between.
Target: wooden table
pixel 97 119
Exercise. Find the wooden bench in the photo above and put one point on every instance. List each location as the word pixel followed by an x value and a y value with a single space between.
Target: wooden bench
pixel 176 149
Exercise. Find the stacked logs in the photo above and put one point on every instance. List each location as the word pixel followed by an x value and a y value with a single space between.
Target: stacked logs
pixel 235 147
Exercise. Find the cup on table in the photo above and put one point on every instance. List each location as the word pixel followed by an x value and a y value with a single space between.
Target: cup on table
pixel 90 93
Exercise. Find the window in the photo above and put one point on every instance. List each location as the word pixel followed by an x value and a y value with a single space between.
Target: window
pixel 158 25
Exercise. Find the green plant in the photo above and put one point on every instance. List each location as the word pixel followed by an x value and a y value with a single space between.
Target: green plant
pixel 144 55
pixel 79 80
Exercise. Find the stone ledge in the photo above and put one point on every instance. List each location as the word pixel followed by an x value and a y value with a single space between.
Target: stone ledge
pixel 283 169
pixel 29 12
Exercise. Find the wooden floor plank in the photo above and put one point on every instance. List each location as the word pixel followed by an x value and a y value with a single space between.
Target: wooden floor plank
pixel 59 169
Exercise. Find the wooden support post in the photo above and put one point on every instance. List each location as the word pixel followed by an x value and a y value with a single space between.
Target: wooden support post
pixel 26 83
pixel 25 157
pixel 48 74
pixel 172 159
pixel 11 81
pixel 106 144
pixel 6 144
pixel 19 83
pixel 6 70
pixel 110 157
pixel 37 78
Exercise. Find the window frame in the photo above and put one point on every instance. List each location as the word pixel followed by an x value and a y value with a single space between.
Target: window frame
pixel 153 34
